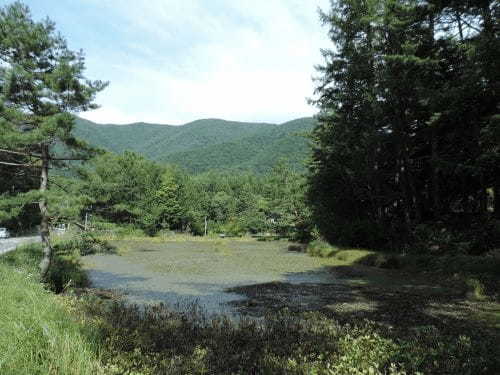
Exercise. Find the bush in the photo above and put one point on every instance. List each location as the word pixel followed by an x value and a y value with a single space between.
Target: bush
pixel 321 249
pixel 476 290
pixel 233 228
pixel 84 243
pixel 459 235
pixel 113 230
pixel 297 247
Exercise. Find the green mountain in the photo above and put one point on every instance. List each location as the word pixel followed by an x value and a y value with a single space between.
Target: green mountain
pixel 206 144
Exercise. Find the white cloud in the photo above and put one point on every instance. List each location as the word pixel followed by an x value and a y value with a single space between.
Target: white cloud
pixel 245 60
pixel 108 115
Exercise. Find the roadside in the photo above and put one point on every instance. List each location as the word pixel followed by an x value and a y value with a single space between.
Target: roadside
pixel 9 244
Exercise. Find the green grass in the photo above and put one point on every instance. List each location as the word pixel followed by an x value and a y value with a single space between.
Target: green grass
pixel 38 333
pixel 477 276
pixel 65 272
pixel 339 256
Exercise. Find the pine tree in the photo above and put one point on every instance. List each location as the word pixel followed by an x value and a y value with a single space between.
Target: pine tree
pixel 41 86
pixel 408 123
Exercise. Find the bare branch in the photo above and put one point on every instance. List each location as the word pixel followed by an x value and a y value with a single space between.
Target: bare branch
pixel 61 187
pixel 20 153
pixel 471 26
pixel 19 165
pixel 69 158
pixel 39 156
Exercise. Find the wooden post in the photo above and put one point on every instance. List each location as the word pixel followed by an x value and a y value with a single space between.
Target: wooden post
pixel 205 225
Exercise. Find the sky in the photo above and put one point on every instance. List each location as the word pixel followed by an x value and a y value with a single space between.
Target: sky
pixel 176 61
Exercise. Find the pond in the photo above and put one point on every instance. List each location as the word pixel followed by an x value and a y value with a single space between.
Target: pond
pixel 183 272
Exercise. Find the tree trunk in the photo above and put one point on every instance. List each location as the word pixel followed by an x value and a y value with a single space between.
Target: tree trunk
pixel 459 23
pixel 436 201
pixel 496 197
pixel 44 224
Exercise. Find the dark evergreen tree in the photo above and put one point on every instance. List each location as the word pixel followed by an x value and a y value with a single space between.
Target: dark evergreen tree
pixel 409 102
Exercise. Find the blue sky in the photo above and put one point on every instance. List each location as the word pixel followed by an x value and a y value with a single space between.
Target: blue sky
pixel 175 61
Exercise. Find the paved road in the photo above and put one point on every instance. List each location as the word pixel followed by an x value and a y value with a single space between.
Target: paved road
pixel 9 244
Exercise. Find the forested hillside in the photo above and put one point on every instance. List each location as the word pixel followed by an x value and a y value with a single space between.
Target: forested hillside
pixel 206 144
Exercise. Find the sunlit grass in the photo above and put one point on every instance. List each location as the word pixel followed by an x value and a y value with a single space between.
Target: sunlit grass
pixel 38 334
pixel 168 237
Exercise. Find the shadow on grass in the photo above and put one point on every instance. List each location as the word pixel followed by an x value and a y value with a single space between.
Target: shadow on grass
pixel 157 339
pixel 388 297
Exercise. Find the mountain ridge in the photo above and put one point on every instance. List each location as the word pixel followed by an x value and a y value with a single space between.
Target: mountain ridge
pixel 205 144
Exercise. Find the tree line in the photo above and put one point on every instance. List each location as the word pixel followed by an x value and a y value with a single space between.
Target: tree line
pixel 407 148
pixel 128 189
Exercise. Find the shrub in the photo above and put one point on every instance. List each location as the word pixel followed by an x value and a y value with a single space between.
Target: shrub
pixel 321 249
pixel 112 230
pixel 84 243
pixel 476 289
pixel 380 260
pixel 233 228
pixel 458 235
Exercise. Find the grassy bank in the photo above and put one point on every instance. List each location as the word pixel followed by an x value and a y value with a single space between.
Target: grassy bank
pixel 65 272
pixel 477 276
pixel 38 333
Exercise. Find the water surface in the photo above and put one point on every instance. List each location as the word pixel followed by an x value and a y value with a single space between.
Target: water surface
pixel 200 271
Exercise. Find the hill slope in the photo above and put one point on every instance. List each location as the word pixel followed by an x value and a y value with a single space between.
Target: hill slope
pixel 205 144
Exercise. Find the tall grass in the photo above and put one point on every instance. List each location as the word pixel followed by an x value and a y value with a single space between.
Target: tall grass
pixel 37 334
pixel 65 272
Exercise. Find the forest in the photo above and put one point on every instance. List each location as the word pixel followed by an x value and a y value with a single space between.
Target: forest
pixel 404 153
pixel 395 182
